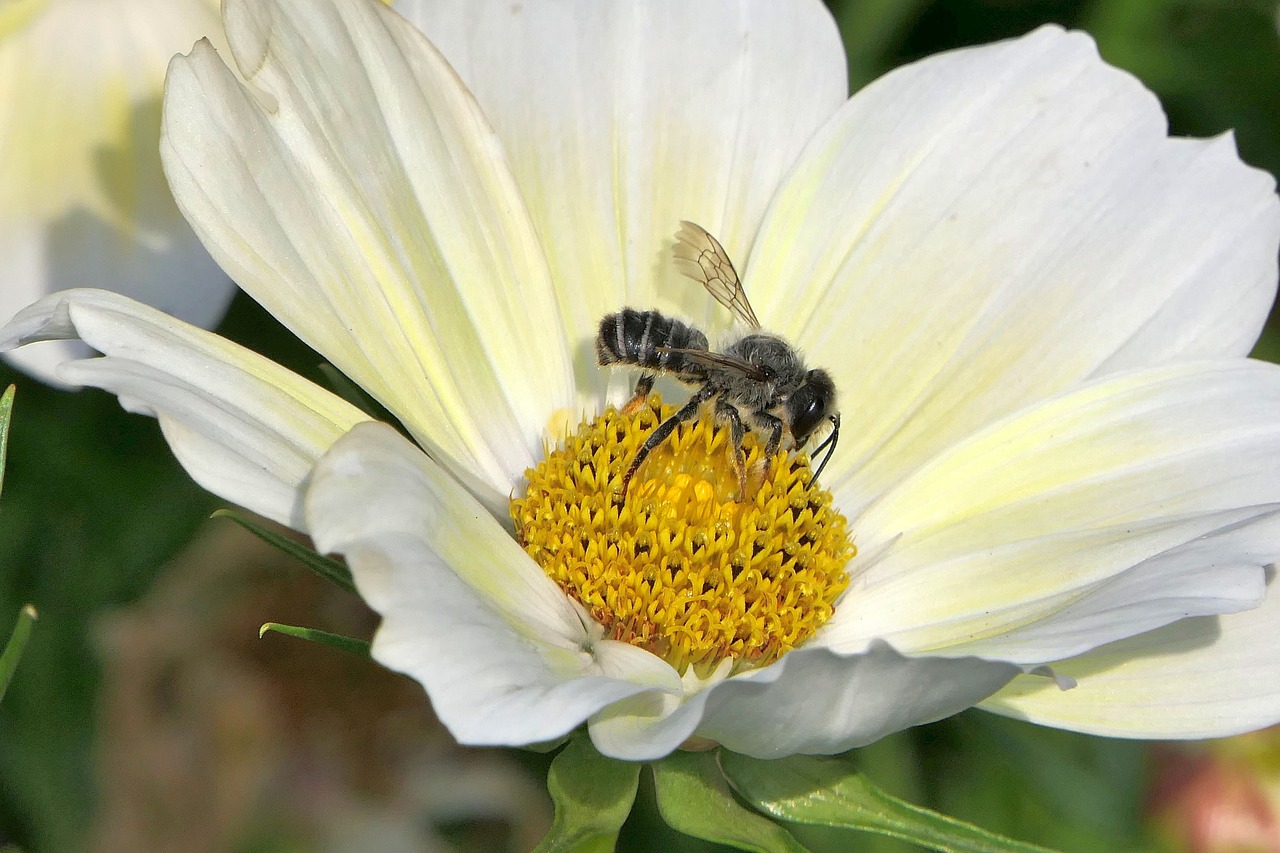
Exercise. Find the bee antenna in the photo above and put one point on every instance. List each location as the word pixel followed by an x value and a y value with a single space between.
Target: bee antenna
pixel 830 443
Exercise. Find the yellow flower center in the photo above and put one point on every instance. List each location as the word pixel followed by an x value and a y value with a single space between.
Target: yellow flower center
pixel 685 567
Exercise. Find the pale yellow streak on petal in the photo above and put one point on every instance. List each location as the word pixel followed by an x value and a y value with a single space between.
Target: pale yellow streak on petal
pixel 16 14
pixel 81 83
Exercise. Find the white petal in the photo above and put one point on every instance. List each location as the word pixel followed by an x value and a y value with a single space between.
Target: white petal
pixel 83 201
pixel 990 226
pixel 621 119
pixel 503 654
pixel 354 189
pixel 1093 516
pixel 1220 572
pixel 812 701
pixel 1198 678
pixel 647 726
pixel 244 427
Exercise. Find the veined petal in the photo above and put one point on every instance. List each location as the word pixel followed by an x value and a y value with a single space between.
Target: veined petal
pixel 991 226
pixel 354 189
pixel 1207 677
pixel 1153 494
pixel 244 427
pixel 813 701
pixel 503 653
pixel 83 201
pixel 621 119
pixel 1219 572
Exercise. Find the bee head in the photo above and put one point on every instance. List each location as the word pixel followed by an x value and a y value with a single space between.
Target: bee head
pixel 811 404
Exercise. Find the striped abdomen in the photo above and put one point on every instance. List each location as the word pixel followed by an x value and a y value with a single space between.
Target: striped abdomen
pixel 634 337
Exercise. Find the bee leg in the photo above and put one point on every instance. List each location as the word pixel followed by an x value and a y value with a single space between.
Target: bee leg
pixel 643 386
pixel 774 427
pixel 659 435
pixel 737 432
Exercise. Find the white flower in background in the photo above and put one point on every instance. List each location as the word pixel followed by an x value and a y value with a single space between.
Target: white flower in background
pixel 83 200
pixel 1035 305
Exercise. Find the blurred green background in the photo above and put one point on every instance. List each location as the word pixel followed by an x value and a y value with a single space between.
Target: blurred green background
pixel 147 714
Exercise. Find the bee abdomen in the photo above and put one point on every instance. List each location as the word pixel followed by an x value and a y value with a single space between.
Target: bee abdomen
pixel 634 337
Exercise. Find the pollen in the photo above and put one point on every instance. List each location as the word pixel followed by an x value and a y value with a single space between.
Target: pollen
pixel 685 566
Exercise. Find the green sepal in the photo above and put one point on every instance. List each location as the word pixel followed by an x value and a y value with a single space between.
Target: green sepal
pixel 6 414
pixel 828 792
pixel 325 567
pixel 360 648
pixel 546 747
pixel 694 798
pixel 593 796
pixel 17 641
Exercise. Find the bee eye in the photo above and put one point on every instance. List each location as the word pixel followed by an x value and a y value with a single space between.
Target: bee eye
pixel 809 405
pixel 807 411
pixel 805 418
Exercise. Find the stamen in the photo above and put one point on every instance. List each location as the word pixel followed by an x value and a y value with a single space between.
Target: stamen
pixel 686 567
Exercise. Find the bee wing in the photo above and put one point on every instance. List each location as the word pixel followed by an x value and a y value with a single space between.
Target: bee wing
pixel 701 257
pixel 719 359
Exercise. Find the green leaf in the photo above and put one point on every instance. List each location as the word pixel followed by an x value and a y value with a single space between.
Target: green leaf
pixel 1268 346
pixel 6 414
pixel 828 792
pixel 871 31
pixel 342 385
pixel 593 796
pixel 18 639
pixel 1044 785
pixel 694 798
pixel 325 567
pixel 1214 63
pixel 360 648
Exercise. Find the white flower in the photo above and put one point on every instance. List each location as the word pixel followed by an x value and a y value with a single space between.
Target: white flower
pixel 1035 305
pixel 83 200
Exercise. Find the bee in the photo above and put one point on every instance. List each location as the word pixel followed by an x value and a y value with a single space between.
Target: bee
pixel 759 381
